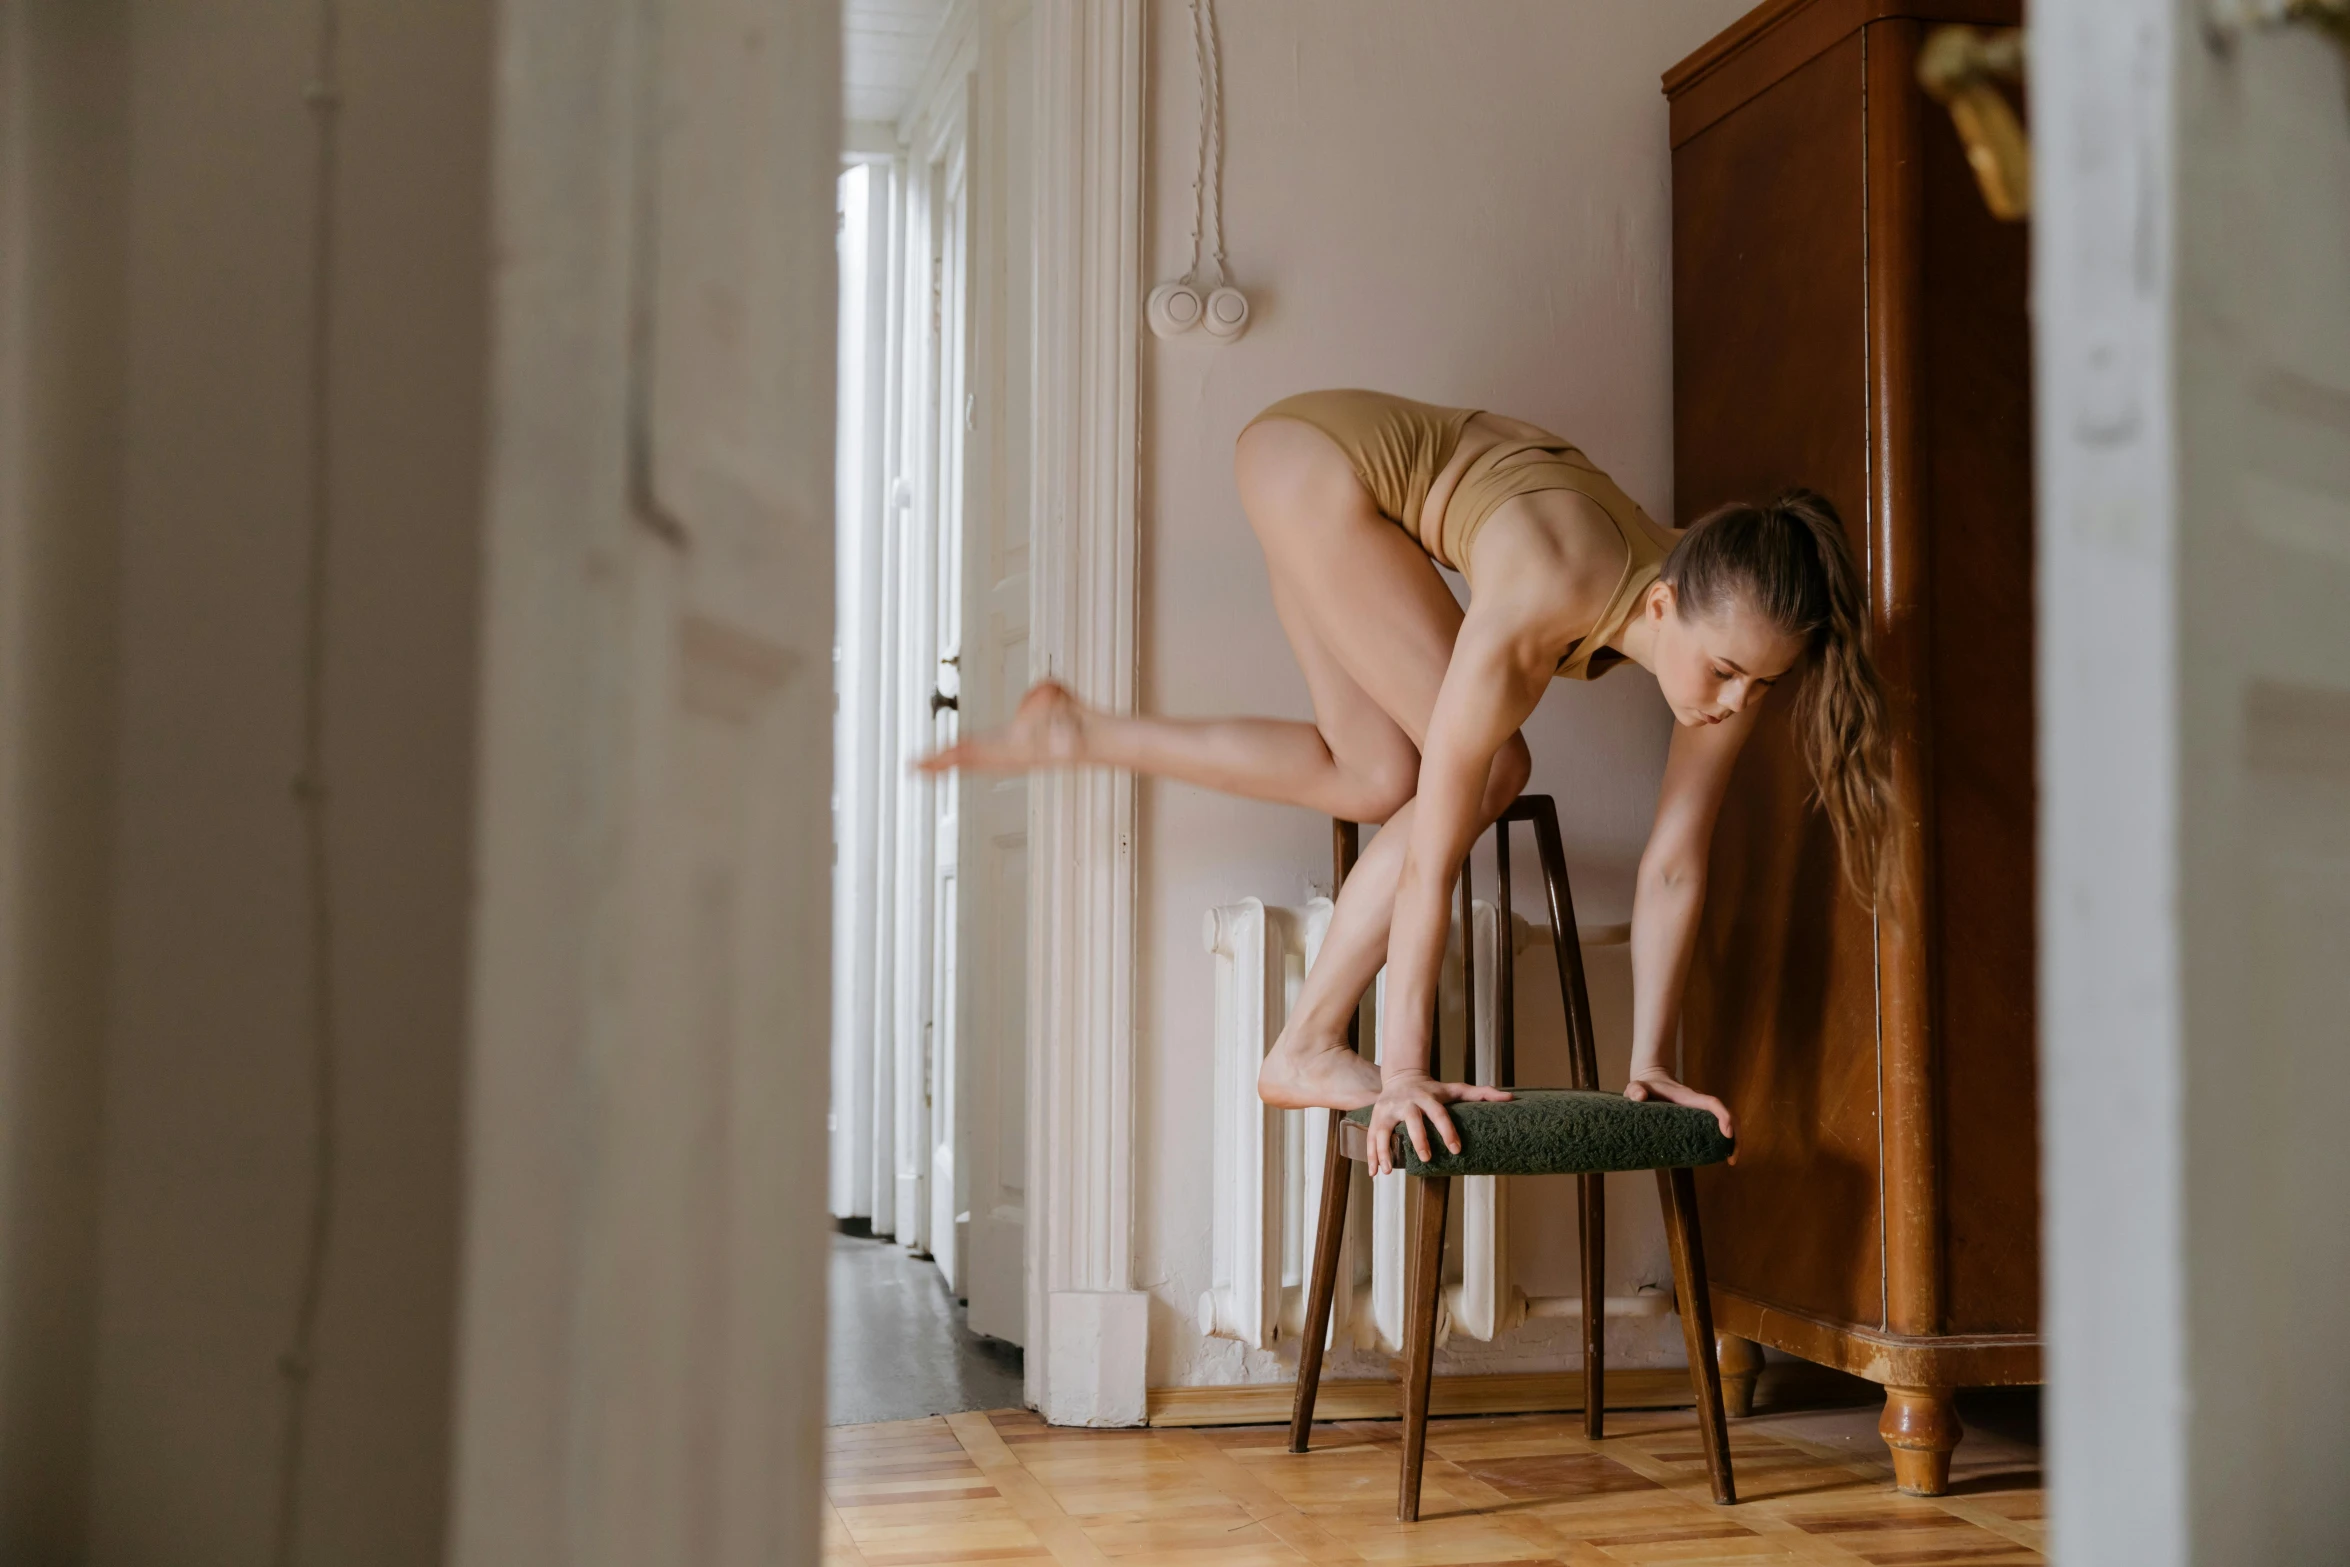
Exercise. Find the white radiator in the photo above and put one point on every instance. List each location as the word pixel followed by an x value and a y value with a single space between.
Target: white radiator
pixel 1268 1163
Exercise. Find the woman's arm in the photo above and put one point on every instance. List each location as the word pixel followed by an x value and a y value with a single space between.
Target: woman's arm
pixel 1668 898
pixel 1499 670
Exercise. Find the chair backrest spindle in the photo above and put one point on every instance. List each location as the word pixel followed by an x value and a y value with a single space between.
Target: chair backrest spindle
pixel 1564 943
pixel 1468 970
pixel 1505 967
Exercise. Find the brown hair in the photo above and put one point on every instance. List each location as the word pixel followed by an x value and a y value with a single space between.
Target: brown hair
pixel 1788 563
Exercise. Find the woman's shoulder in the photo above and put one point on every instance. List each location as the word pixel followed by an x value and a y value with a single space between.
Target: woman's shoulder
pixel 1555 558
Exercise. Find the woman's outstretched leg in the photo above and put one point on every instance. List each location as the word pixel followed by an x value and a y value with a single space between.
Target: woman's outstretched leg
pixel 1275 759
pixel 1371 623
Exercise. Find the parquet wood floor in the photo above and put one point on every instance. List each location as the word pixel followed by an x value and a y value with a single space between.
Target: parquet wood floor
pixel 1006 1488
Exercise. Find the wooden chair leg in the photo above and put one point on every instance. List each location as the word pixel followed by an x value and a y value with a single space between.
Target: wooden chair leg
pixel 1337 1181
pixel 1424 1204
pixel 1678 1190
pixel 1593 1190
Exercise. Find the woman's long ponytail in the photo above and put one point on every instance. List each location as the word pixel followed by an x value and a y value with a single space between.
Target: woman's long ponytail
pixel 1788 561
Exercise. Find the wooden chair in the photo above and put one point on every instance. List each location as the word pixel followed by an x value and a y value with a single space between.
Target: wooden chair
pixel 1542 1131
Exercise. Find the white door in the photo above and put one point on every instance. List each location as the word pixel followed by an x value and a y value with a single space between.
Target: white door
pixel 953 419
pixel 991 1042
pixel 914 586
pixel 925 583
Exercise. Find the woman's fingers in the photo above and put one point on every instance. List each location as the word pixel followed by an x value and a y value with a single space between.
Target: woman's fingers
pixel 1682 1094
pixel 1706 1102
pixel 1441 1119
pixel 1415 1124
pixel 1418 1110
pixel 1383 1123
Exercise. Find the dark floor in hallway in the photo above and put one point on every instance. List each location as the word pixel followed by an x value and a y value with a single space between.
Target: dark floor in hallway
pixel 900 1347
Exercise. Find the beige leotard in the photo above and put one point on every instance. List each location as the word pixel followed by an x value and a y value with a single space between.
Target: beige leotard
pixel 1397 448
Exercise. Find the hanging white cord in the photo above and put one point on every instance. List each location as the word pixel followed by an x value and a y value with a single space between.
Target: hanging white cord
pixel 324 97
pixel 1215 58
pixel 1207 185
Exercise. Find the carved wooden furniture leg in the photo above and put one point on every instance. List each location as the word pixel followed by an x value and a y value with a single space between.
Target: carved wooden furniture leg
pixel 1741 1360
pixel 1678 1189
pixel 1921 1425
pixel 1337 1182
pixel 1424 1203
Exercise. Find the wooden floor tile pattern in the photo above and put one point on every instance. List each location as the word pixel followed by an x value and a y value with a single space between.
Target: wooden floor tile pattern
pixel 1520 1489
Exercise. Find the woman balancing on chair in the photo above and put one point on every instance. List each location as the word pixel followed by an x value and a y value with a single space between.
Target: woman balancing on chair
pixel 1356 498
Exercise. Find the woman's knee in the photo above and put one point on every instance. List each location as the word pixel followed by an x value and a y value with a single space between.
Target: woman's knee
pixel 1381 789
pixel 1377 790
pixel 1513 769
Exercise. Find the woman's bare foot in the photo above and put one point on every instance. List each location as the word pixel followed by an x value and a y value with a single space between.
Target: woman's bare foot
pixel 1047 730
pixel 1330 1075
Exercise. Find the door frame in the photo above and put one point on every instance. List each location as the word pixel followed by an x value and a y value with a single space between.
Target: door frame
pixel 1087 1324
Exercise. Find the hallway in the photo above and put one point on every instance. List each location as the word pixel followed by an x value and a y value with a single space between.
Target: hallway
pixel 1814 1484
pixel 901 1346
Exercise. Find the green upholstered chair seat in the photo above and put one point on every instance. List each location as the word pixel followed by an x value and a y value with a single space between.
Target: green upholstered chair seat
pixel 1561 1131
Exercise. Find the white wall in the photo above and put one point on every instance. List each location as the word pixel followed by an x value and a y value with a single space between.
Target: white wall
pixel 2193 329
pixel 1463 204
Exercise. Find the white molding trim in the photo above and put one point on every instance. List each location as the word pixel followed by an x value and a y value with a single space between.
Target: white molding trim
pixel 1089 98
pixel 949 59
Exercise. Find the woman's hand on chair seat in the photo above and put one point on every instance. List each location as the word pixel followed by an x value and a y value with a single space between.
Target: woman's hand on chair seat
pixel 1415 1101
pixel 1661 1085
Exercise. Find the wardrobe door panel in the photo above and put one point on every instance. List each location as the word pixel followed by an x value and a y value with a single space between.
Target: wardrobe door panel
pixel 1770 367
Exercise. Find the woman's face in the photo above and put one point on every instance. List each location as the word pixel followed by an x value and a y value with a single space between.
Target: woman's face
pixel 1713 666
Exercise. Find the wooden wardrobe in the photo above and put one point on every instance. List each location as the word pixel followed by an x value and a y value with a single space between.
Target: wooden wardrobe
pixel 1848 316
